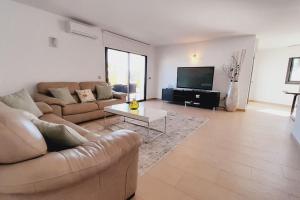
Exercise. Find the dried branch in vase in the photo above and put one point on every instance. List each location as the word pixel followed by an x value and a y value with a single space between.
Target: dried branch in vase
pixel 233 69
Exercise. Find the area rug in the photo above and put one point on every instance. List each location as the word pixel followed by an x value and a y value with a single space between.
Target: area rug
pixel 178 128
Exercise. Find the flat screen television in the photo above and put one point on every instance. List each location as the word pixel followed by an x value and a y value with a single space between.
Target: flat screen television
pixel 195 77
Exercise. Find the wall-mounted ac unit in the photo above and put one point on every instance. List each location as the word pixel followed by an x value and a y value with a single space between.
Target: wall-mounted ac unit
pixel 82 29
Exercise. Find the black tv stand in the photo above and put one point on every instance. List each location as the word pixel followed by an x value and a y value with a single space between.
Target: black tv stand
pixel 193 97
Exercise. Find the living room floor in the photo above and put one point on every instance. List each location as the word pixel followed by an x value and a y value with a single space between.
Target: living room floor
pixel 240 155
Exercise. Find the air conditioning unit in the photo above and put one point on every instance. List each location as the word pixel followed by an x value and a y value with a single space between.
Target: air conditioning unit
pixel 82 29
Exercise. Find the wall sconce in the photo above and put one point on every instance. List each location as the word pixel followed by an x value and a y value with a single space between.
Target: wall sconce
pixel 195 58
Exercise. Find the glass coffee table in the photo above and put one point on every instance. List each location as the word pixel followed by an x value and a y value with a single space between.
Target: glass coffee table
pixel 143 114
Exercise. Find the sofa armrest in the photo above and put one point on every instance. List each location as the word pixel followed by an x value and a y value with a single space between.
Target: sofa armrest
pixel 48 100
pixel 45 108
pixel 119 95
pixel 60 169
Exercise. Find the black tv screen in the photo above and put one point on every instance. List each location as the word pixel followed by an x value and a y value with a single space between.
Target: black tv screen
pixel 195 77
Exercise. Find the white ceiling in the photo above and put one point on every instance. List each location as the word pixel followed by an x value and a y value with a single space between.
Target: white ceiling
pixel 160 22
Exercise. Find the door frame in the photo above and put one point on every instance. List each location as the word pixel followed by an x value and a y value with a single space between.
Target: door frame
pixel 146 69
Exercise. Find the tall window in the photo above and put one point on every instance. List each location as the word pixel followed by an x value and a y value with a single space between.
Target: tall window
pixel 126 72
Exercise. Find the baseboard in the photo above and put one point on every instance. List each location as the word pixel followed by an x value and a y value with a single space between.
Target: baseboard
pixel 153 99
pixel 270 103
pixel 241 110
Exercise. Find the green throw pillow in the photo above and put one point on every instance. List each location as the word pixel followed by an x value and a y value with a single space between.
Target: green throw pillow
pixel 104 92
pixel 63 94
pixel 57 136
pixel 22 100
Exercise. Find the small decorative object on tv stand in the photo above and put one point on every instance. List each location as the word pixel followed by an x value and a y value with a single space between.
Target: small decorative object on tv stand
pixel 233 72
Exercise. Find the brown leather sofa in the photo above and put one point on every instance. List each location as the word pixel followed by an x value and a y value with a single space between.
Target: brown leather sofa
pixel 105 168
pixel 79 112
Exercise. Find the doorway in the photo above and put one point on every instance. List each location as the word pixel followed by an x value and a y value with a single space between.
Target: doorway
pixel 127 72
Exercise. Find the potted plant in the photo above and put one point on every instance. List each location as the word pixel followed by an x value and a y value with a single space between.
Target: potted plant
pixel 232 71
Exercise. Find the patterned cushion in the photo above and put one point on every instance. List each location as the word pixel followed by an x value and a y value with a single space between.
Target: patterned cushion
pixel 85 95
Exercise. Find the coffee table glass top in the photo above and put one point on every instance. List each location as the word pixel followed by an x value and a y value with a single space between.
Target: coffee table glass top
pixel 143 113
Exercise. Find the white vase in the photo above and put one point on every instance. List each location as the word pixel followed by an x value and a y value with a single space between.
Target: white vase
pixel 232 100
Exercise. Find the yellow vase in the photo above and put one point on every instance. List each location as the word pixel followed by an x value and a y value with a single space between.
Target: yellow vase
pixel 134 105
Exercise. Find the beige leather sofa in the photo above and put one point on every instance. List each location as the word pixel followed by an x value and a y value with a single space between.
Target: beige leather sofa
pixel 105 168
pixel 79 112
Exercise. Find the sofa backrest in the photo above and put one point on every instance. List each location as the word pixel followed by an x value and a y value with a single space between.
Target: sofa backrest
pixel 44 87
pixel 20 139
pixel 91 85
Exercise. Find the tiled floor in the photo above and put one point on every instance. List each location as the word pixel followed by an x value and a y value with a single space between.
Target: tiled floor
pixel 241 155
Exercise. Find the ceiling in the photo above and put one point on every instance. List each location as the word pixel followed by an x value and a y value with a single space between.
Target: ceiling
pixel 161 22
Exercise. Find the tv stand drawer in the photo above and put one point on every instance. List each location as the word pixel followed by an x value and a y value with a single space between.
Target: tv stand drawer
pixel 204 99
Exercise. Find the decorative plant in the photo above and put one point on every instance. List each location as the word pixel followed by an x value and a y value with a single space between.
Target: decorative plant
pixel 233 69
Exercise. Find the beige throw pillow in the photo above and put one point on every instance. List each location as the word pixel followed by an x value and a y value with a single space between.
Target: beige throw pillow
pixel 57 136
pixel 22 100
pixel 104 92
pixel 85 95
pixel 63 94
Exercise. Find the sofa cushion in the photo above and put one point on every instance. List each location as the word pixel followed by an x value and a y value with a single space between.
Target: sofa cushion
pixel 104 92
pixel 79 108
pixel 53 118
pixel 75 96
pixel 85 117
pixel 85 95
pixel 107 102
pixel 22 100
pixel 63 94
pixel 20 138
pixel 43 87
pixel 57 136
pixel 44 108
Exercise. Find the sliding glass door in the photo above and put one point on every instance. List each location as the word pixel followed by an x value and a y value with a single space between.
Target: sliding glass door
pixel 126 72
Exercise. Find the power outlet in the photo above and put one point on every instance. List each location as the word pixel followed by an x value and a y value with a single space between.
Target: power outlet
pixel 52 42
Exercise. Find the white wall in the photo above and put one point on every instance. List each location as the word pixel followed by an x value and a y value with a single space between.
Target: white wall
pixel 212 53
pixel 26 58
pixel 269 74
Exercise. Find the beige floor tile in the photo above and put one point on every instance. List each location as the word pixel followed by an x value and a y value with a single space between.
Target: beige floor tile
pixel 292 174
pixel 199 168
pixel 241 154
pixel 196 153
pixel 249 188
pixel 202 189
pixel 150 188
pixel 166 173
pixel 235 168
pixel 278 182
pixel 244 149
pixel 248 160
